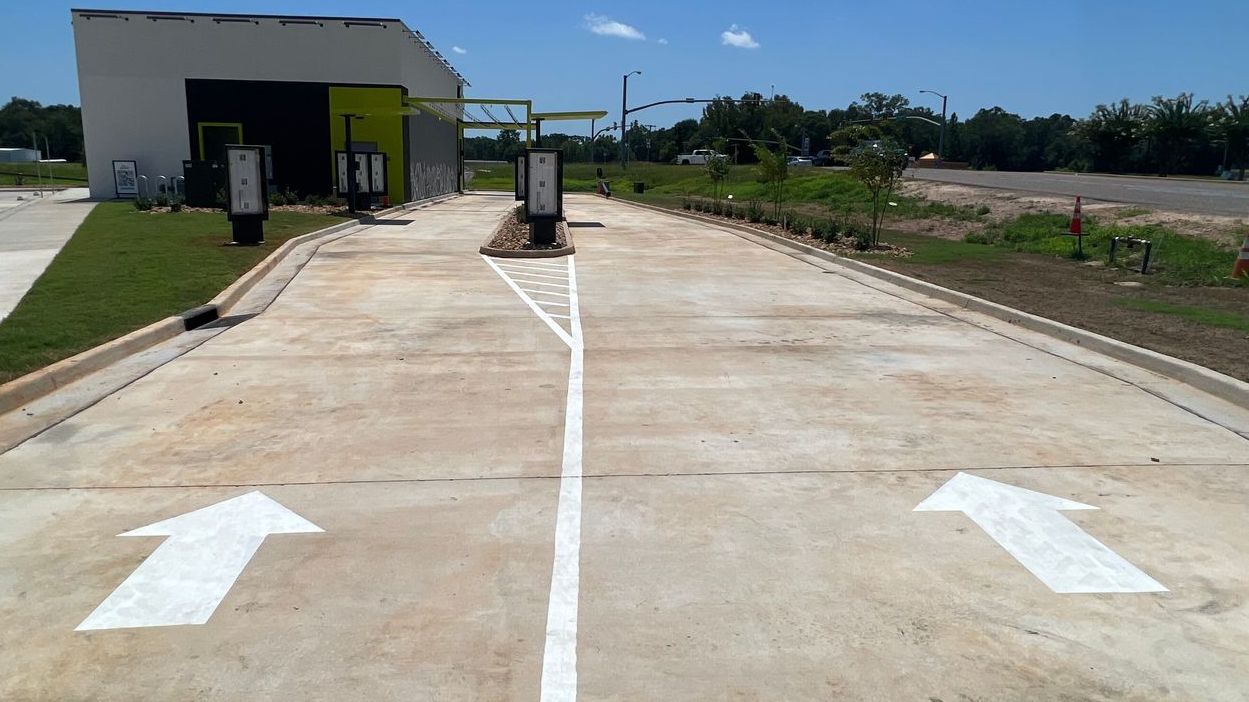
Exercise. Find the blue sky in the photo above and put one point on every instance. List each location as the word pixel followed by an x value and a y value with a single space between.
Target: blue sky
pixel 1033 58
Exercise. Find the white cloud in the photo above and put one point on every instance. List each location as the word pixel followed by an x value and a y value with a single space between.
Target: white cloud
pixel 736 36
pixel 662 41
pixel 459 51
pixel 605 26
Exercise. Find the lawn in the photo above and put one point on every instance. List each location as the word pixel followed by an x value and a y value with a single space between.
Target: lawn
pixel 810 191
pixel 73 174
pixel 124 269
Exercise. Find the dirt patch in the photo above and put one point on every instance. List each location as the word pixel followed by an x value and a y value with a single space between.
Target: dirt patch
pixel 512 235
pixel 1087 297
pixel 1008 204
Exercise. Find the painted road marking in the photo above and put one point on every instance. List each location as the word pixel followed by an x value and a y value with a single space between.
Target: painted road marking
pixel 559 657
pixel 188 575
pixel 1029 526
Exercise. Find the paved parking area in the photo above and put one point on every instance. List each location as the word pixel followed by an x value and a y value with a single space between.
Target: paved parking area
pixel 400 481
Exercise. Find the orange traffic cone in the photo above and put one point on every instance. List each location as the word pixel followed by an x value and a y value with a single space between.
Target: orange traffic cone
pixel 1242 261
pixel 1077 223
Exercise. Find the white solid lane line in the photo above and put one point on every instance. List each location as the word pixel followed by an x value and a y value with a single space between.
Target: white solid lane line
pixel 559 658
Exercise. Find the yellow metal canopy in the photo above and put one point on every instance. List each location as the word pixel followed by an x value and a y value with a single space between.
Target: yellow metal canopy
pixel 456 111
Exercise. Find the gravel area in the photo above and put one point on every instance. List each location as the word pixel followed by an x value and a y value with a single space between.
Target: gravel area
pixel 514 236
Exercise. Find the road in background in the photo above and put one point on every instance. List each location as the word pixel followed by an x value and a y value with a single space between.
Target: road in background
pixel 32 234
pixel 1213 197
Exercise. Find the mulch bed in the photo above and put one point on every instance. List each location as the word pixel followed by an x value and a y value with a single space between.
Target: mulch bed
pixel 842 246
pixel 514 236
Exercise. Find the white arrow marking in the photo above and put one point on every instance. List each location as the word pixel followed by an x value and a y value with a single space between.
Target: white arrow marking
pixel 188 575
pixel 1028 525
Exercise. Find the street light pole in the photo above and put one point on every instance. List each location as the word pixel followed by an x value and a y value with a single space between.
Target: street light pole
pixel 624 111
pixel 941 139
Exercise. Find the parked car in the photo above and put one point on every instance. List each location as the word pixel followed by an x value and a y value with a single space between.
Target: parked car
pixel 697 158
pixel 799 162
pixel 823 159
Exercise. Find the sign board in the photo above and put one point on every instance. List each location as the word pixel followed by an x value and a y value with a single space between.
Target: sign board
pixel 544 184
pixel 126 178
pixel 362 172
pixel 806 146
pixel 268 162
pixel 377 173
pixel 520 178
pixel 245 181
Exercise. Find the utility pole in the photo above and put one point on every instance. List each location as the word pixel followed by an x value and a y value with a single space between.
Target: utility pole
pixel 941 139
pixel 624 111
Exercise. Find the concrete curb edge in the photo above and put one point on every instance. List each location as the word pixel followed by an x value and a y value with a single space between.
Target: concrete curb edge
pixel 27 388
pixel 1217 384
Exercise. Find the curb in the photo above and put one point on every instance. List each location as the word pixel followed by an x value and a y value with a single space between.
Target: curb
pixel 487 250
pixel 36 384
pixel 1221 386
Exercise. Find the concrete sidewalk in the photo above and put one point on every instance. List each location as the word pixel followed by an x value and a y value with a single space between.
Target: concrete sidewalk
pixel 758 435
pixel 31 235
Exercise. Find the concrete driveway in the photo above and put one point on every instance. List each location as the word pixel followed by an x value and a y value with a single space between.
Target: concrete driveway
pixel 401 481
pixel 32 232
pixel 1180 194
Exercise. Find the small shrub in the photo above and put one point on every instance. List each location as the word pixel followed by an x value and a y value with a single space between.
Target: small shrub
pixel 290 198
pixel 176 204
pixel 162 200
pixel 983 210
pixel 770 220
pixel 687 205
pixel 754 212
pixel 142 204
pixel 717 208
pixel 221 200
pixel 728 212
pixel 276 199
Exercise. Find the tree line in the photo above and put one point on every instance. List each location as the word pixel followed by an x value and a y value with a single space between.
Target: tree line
pixel 1168 135
pixel 25 123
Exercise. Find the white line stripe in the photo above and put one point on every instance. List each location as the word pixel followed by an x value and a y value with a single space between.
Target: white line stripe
pixel 543 292
pixel 551 303
pixel 559 658
pixel 537 282
pixel 522 263
pixel 559 316
pixel 534 275
pixel 555 327
pixel 509 267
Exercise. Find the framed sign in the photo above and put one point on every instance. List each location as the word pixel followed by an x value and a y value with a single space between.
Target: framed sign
pixel 245 181
pixel 544 184
pixel 362 172
pixel 520 178
pixel 377 173
pixel 126 178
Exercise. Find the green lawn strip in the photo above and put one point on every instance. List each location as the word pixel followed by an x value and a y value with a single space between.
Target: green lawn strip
pixel 53 173
pixel 1200 315
pixel 124 269
pixel 1176 259
pixel 833 192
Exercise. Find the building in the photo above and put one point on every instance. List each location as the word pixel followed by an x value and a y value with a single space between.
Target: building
pixel 164 88
pixel 18 155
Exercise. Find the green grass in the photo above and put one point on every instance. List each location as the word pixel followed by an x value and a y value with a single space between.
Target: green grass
pixel 1177 259
pixel 61 174
pixel 124 269
pixel 813 191
pixel 1200 315
pixel 931 250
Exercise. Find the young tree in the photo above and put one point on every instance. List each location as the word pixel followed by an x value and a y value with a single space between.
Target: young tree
pixel 717 170
pixel 1175 123
pixel 878 167
pixel 773 169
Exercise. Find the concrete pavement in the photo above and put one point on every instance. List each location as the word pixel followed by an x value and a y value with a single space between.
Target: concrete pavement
pixel 757 435
pixel 1203 197
pixel 31 234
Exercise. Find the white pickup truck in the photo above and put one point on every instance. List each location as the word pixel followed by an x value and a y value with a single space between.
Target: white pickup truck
pixel 698 158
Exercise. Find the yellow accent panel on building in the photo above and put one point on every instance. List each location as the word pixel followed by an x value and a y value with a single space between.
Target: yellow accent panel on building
pixel 384 126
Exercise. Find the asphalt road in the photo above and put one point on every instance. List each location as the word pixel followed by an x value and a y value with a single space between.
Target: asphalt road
pixel 1214 197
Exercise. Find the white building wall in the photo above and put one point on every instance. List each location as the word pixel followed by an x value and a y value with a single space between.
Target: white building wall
pixel 132 72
